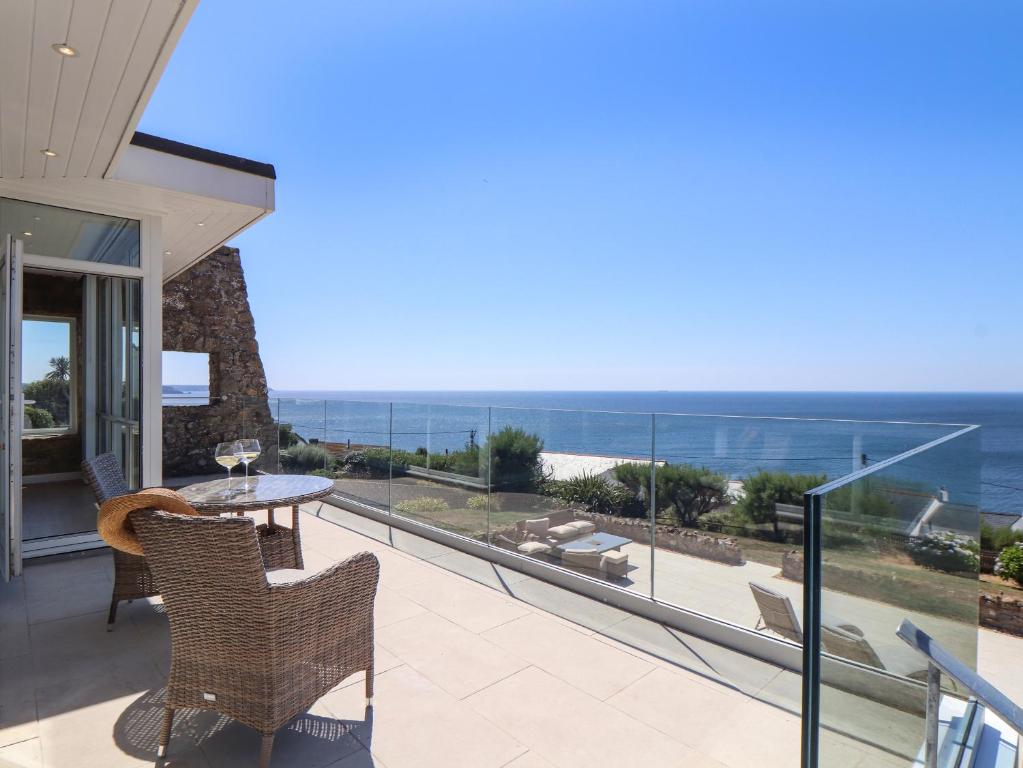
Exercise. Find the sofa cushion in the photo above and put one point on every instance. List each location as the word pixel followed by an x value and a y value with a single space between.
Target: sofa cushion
pixel 583 526
pixel 563 532
pixel 534 548
pixel 538 527
pixel 616 557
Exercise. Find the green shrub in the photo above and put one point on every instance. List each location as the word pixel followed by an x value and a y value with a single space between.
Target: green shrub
pixel 945 551
pixel 762 491
pixel 422 505
pixel 286 436
pixel 305 458
pixel 723 521
pixel 685 490
pixel 1009 564
pixel 635 476
pixel 39 418
pixel 515 463
pixel 995 539
pixel 690 491
pixel 599 496
pixel 51 395
pixel 327 473
pixel 478 503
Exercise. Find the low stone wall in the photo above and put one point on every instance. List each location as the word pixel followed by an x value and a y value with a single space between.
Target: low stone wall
pixel 792 565
pixel 685 541
pixel 1002 613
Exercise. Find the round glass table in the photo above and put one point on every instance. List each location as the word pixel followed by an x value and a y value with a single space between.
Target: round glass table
pixel 281 546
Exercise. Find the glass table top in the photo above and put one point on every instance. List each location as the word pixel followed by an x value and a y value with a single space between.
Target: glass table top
pixel 595 542
pixel 259 492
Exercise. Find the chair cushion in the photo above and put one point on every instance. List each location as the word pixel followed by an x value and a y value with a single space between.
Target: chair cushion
pixel 534 548
pixel 562 532
pixel 616 558
pixel 583 526
pixel 287 575
pixel 538 527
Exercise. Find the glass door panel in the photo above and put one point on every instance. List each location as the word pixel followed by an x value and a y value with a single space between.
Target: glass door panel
pixel 119 372
pixel 10 413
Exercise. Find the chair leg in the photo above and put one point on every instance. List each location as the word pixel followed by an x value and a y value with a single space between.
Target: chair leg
pixel 165 731
pixel 112 616
pixel 265 749
pixel 369 686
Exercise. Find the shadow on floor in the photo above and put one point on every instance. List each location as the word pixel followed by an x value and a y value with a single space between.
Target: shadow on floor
pixel 204 737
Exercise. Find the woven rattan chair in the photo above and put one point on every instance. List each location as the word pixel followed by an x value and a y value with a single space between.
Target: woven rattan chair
pixel 255 650
pixel 132 577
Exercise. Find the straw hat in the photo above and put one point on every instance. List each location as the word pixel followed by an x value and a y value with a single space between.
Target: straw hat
pixel 115 527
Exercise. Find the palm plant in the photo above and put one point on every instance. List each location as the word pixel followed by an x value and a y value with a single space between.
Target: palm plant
pixel 60 369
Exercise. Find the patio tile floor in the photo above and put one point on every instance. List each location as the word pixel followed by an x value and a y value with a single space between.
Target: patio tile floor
pixel 472 671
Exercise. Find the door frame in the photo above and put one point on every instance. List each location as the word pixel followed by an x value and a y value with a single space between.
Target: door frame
pixel 150 273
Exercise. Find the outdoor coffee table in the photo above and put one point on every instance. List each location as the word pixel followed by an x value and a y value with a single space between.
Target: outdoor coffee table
pixel 281 546
pixel 594 542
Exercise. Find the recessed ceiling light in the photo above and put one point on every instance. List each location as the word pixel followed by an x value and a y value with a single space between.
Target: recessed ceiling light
pixel 201 224
pixel 36 218
pixel 64 49
pixel 166 253
pixel 48 152
pixel 27 234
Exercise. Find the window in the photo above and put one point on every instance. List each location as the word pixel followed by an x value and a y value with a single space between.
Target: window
pixel 47 230
pixel 49 376
pixel 186 378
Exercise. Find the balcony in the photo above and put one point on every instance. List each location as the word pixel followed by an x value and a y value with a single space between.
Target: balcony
pixel 491 654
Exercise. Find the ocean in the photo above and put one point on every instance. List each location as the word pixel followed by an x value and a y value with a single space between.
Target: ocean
pixel 619 423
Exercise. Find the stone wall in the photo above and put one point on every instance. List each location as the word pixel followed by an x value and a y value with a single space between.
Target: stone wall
pixel 685 541
pixel 206 309
pixel 1001 613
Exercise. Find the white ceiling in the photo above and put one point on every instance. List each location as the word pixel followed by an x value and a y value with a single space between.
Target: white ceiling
pixel 84 108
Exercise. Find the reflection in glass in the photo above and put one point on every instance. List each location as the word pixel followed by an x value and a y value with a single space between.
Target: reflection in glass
pixel 65 233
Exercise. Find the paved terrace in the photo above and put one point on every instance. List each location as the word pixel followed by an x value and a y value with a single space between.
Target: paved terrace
pixel 474 669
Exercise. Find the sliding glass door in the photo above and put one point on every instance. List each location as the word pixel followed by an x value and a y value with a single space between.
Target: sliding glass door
pixel 118 334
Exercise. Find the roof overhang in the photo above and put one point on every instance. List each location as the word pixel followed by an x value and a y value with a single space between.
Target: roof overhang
pixel 85 109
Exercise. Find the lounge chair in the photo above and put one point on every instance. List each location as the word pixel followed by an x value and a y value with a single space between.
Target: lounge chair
pixel 778 615
pixel 853 647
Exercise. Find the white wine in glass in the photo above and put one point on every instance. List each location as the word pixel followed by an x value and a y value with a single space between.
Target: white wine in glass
pixel 226 455
pixel 247 451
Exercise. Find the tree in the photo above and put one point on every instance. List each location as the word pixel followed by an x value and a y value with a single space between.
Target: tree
pixel 686 490
pixel 515 460
pixel 60 369
pixel 689 490
pixel 764 490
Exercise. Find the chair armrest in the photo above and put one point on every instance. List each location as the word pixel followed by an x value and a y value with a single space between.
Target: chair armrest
pixel 335 602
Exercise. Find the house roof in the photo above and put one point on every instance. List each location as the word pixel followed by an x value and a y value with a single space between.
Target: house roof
pixel 203 155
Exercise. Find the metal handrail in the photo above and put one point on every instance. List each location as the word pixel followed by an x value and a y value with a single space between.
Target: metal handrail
pixel 941 661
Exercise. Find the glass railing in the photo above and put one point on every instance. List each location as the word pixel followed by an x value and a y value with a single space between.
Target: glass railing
pixel 703 514
pixel 894 542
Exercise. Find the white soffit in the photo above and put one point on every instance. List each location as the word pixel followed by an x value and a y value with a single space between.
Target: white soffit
pixel 84 108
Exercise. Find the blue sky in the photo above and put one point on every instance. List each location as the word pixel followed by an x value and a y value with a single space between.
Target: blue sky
pixel 619 195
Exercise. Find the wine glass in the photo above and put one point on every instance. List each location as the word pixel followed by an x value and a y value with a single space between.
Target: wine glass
pixel 247 451
pixel 226 455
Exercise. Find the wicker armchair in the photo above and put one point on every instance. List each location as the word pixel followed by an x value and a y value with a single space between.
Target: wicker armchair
pixel 255 650
pixel 132 577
